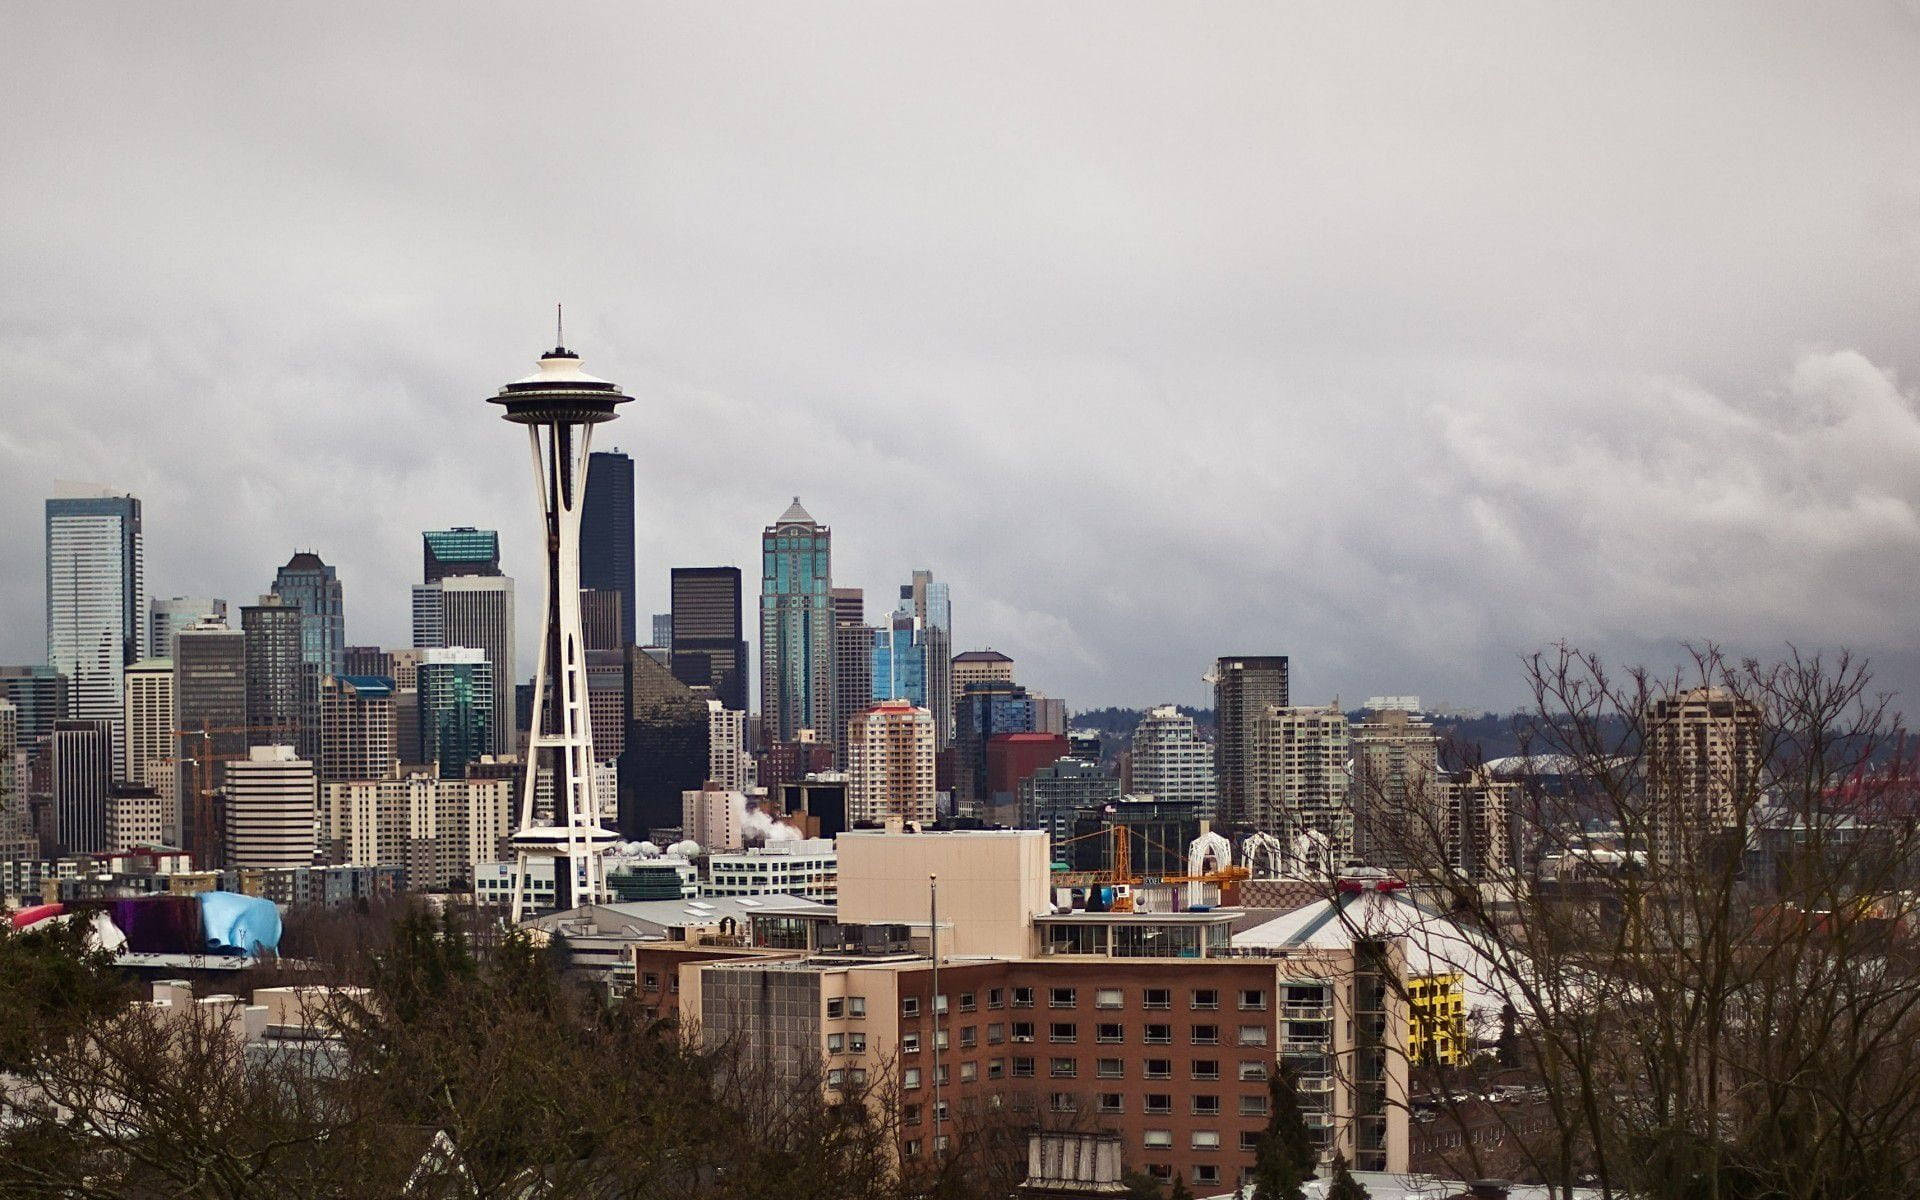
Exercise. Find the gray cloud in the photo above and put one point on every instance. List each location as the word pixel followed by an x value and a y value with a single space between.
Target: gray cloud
pixel 1399 339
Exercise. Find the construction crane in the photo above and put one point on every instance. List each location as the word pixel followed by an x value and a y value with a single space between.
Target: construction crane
pixel 1119 871
pixel 206 830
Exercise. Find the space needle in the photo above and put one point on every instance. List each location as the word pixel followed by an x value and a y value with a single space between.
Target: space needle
pixel 560 404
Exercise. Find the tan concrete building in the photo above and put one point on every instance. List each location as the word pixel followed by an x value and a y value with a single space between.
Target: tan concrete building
pixel 1703 771
pixel 890 763
pixel 979 666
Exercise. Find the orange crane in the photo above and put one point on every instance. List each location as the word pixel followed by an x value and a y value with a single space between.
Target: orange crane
pixel 1120 870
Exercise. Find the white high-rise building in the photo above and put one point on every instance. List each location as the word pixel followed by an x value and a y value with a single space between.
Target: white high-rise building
pixel 1703 765
pixel 477 612
pixel 436 829
pixel 149 718
pixel 1170 762
pixel 270 809
pixel 890 763
pixel 96 600
pixel 16 826
pixel 1300 785
pixel 1399 797
pixel 728 763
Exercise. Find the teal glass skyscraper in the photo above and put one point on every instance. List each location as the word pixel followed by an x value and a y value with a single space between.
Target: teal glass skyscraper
pixel 900 657
pixel 456 698
pixel 796 627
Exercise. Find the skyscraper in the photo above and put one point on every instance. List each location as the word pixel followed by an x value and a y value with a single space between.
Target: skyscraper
pixel 1300 787
pixel 1170 762
pixel 277 672
pixel 706 634
pixel 456 708
pixel 606 535
pixel 890 763
pixel 977 666
pixel 933 607
pixel 16 821
pixel 852 664
pixel 559 406
pixel 796 626
pixel 477 612
pixel 41 695
pixel 357 728
pixel 82 757
pixel 271 801
pixel 210 715
pixel 96 599
pixel 666 751
pixel 988 708
pixel 1704 772
pixel 900 654
pixel 462 550
pixel 600 619
pixel 148 732
pixel 314 588
pixel 1244 687
pixel 663 628
pixel 168 615
pixel 1399 797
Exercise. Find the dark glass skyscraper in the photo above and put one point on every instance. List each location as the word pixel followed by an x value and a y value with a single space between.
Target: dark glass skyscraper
pixel 606 534
pixel 462 550
pixel 313 587
pixel 708 647
pixel 1245 686
pixel 275 670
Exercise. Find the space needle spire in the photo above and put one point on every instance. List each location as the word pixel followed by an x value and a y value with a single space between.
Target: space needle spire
pixel 560 404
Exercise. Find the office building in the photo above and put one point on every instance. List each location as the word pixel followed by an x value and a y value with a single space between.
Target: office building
pixel 1170 762
pixel 149 718
pixel 783 762
pixel 607 703
pixel 976 666
pixel 1399 797
pixel 281 684
pixel 1055 795
pixel 1012 758
pixel 136 816
pixel 313 587
pixel 663 630
pixel 454 697
pixel 900 657
pixel 438 831
pixel 358 739
pixel 705 634
pixel 817 804
pixel 728 762
pixel 1301 790
pixel 16 823
pixel 796 627
pixel 81 757
pixel 40 697
pixel 1159 833
pixel 606 537
pixel 804 867
pixel 988 708
pixel 600 619
pixel 462 550
pixel 852 666
pixel 1704 773
pixel 934 609
pixel 713 817
pixel 666 746
pixel 890 763
pixel 167 616
pixel 371 660
pixel 210 717
pixel 477 612
pixel 96 599
pixel 271 799
pixel 1050 715
pixel 1244 688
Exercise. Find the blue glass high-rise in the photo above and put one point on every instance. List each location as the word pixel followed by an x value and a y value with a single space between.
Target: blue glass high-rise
pixel 900 657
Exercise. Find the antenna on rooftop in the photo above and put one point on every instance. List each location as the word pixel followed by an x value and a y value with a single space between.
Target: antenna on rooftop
pixel 559 325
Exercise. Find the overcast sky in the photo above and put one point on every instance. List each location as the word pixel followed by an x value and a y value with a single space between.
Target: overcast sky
pixel 1399 338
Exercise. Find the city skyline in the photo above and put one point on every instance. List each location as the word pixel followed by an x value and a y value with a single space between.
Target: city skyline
pixel 1617 348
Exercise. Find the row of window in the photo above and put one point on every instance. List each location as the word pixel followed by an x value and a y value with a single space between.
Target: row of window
pixel 1203 1069
pixel 1198 999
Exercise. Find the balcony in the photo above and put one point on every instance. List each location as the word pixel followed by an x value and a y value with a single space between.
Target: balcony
pixel 1307 1012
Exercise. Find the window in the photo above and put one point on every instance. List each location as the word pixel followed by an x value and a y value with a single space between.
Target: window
pixel 912 1148
pixel 1063 1068
pixel 969 1072
pixel 1108 998
pixel 1076 939
pixel 909 1043
pixel 1159 1035
pixel 968 1038
pixel 910 1114
pixel 910 1006
pixel 1253 1035
pixel 1023 1031
pixel 996 997
pixel 1206 1068
pixel 1023 997
pixel 1062 997
pixel 836 1077
pixel 1206 1106
pixel 1159 998
pixel 910 1078
pixel 940 1039
pixel 940 1112
pixel 1205 1139
pixel 1159 1068
pixel 1110 1068
pixel 940 1143
pixel 1160 1170
pixel 857 1076
pixel 966 1001
pixel 1206 1035
pixel 1254 1106
pixel 1063 1031
pixel 940 1004
pixel 1252 999
pixel 1110 1031
pixel 1061 1102
pixel 1249 1140
pixel 1158 1139
pixel 856 1006
pixel 857 1043
pixel 996 1067
pixel 1208 1173
pixel 1022 1068
pixel 1253 1072
pixel 836 1008
pixel 1159 1102
pixel 1112 1102
pixel 836 1043
pixel 650 981
pixel 996 1033
pixel 1206 999
pixel 940 1075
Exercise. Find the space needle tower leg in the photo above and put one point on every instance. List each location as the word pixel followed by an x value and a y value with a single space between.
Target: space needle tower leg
pixel 560 405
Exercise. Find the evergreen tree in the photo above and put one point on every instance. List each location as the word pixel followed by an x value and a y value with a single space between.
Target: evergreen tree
pixel 1285 1157
pixel 1344 1186
pixel 1507 1049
